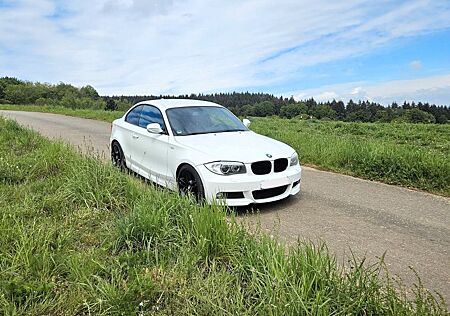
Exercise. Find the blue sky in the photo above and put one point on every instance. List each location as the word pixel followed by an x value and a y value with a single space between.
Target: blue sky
pixel 378 50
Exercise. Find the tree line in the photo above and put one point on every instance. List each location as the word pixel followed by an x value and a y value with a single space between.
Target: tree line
pixel 15 91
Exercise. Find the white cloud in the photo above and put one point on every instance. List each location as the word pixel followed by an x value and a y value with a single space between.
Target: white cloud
pixel 158 46
pixel 432 89
pixel 415 65
pixel 359 93
pixel 326 95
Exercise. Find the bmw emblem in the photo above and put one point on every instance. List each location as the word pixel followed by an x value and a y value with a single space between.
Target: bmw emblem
pixel 269 155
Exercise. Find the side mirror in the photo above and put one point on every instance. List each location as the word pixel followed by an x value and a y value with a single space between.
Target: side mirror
pixel 246 122
pixel 154 128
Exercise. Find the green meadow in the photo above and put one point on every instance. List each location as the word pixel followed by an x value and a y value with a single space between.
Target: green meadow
pixel 411 155
pixel 78 237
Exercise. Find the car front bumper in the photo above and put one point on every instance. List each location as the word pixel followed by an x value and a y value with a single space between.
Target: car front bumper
pixel 254 188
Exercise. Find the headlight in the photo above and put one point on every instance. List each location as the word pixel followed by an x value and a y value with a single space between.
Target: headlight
pixel 294 160
pixel 226 168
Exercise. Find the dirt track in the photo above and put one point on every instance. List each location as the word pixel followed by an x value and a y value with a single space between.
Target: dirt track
pixel 370 218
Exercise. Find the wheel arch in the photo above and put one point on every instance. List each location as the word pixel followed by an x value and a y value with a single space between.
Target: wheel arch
pixel 115 141
pixel 182 165
pixel 198 174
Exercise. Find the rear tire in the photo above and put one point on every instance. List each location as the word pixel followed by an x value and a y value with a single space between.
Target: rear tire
pixel 117 156
pixel 190 183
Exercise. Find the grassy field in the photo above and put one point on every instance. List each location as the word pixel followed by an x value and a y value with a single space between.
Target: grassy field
pixel 79 237
pixel 411 155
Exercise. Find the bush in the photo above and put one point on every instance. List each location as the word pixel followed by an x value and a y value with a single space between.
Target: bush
pixel 265 108
pixel 293 109
pixel 110 105
pixel 415 116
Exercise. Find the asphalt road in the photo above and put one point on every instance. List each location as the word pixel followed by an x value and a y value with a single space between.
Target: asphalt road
pixel 366 217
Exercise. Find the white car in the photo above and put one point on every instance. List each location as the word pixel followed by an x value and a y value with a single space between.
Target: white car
pixel 201 148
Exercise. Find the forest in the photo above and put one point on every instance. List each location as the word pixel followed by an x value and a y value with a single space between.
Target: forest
pixel 16 91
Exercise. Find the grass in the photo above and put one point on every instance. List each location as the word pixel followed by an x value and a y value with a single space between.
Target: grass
pixel 411 155
pixel 79 237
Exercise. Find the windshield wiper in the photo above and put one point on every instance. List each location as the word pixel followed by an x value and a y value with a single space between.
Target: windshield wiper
pixel 232 130
pixel 213 132
pixel 196 133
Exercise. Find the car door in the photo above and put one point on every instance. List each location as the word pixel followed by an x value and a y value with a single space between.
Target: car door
pixel 153 148
pixel 130 144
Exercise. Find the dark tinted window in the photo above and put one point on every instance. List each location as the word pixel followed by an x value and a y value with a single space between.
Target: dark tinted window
pixel 202 120
pixel 150 114
pixel 133 115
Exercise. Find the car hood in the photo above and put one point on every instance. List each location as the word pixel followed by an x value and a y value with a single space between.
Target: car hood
pixel 235 146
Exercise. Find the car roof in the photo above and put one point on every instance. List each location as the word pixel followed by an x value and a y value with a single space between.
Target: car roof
pixel 164 104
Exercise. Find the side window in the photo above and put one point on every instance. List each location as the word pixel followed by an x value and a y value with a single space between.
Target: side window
pixel 133 115
pixel 150 114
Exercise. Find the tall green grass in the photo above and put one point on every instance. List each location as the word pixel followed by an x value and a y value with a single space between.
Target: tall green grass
pixel 79 237
pixel 412 155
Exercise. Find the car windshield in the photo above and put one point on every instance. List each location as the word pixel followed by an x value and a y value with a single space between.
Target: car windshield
pixel 195 120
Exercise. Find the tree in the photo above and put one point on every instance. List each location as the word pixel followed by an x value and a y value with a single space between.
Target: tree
pixel 8 81
pixel 351 107
pixel 13 94
pixel 265 108
pixel 89 92
pixel 61 90
pixel 310 103
pixel 293 109
pixel 247 110
pixel 441 119
pixel 385 115
pixel 110 105
pixel 362 115
pixel 323 111
pixel 339 108
pixel 69 101
pixel 415 115
pixel 16 91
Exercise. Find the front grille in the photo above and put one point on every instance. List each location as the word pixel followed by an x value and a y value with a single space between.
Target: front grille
pixel 268 193
pixel 261 167
pixel 280 165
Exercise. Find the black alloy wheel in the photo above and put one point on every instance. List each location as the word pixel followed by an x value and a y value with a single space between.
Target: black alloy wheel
pixel 189 183
pixel 117 156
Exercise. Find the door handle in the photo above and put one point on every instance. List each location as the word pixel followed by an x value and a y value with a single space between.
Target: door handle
pixel 135 136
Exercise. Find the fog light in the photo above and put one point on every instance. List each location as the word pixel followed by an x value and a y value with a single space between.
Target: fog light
pixel 230 195
pixel 221 195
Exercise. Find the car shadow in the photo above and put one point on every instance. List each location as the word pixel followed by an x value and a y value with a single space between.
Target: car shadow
pixel 269 207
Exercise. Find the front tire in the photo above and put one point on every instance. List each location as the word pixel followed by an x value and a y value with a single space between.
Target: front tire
pixel 190 183
pixel 117 156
